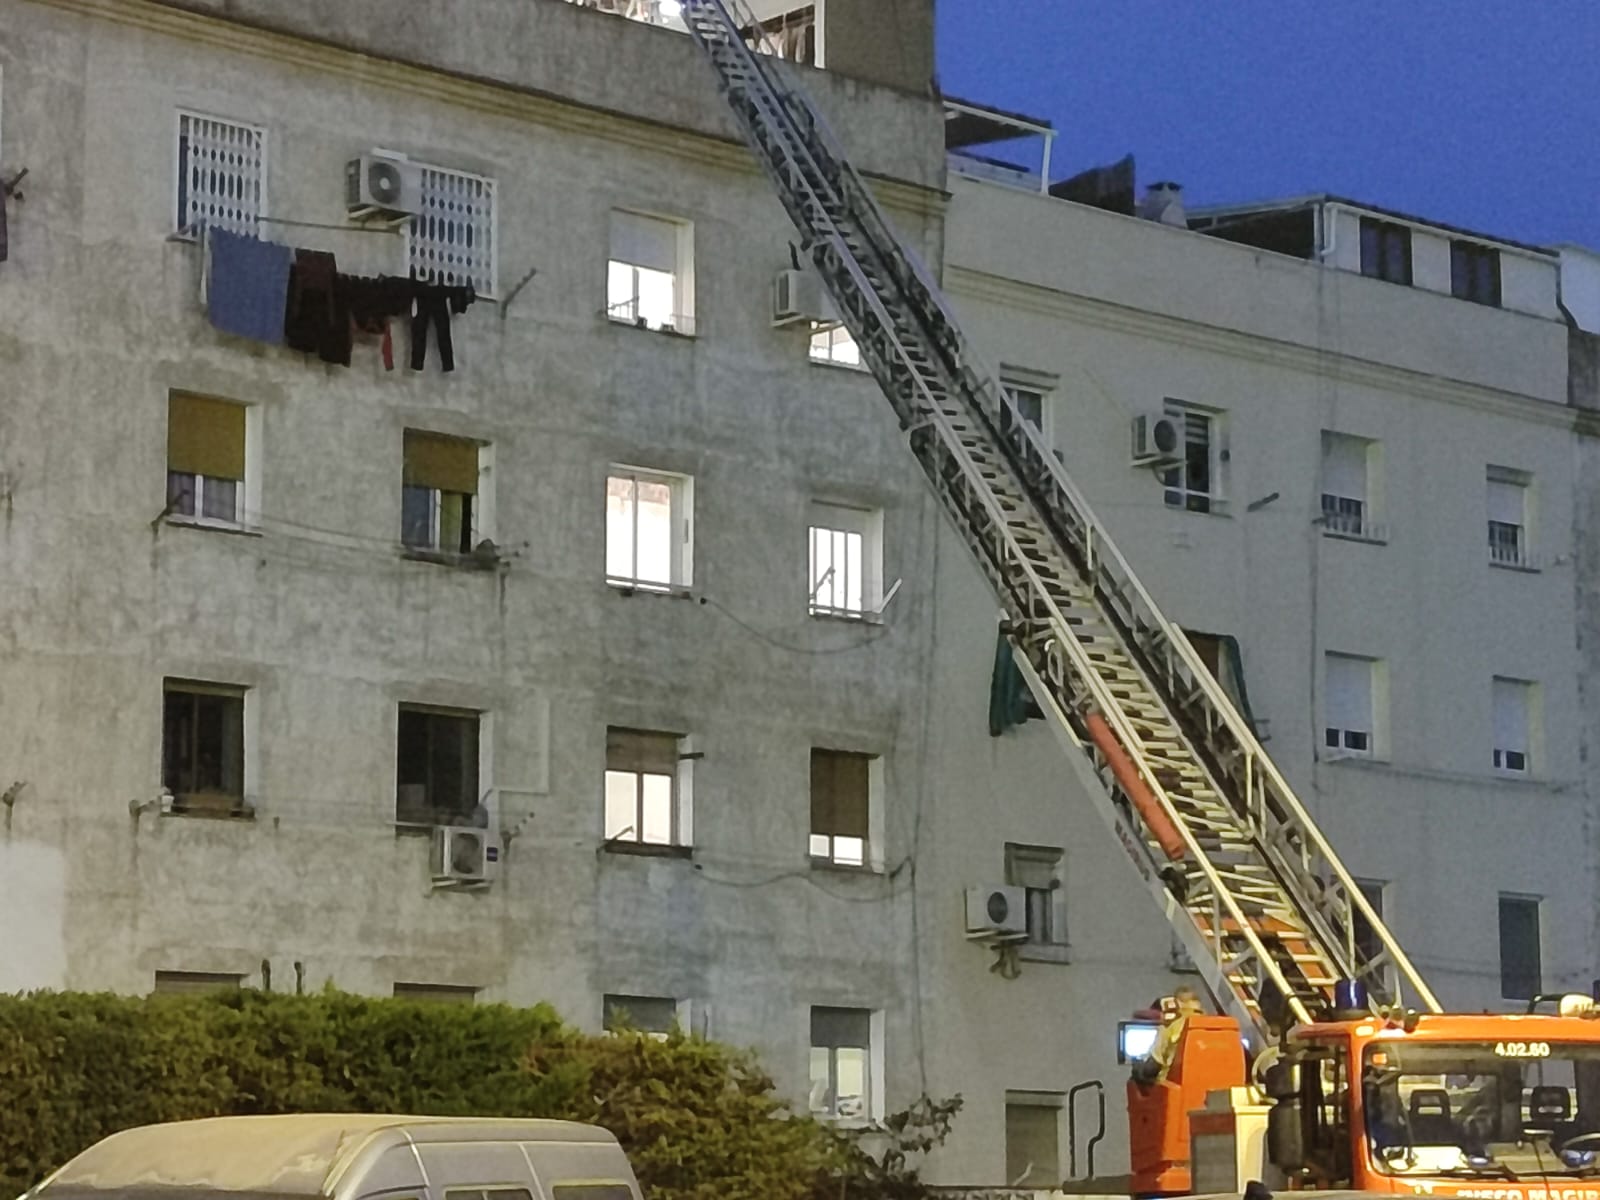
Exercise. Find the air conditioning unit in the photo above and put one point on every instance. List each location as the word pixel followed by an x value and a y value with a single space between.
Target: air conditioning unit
pixel 799 296
pixel 462 854
pixel 1157 440
pixel 376 185
pixel 997 914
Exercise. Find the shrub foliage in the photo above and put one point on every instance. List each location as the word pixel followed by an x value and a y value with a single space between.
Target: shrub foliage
pixel 698 1120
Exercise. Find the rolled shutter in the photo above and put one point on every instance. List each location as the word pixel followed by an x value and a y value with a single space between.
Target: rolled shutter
pixel 644 241
pixel 205 437
pixel 642 752
pixel 446 463
pixel 839 787
pixel 1505 501
pixel 1344 466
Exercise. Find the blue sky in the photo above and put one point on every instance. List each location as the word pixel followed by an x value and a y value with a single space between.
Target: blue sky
pixel 1479 114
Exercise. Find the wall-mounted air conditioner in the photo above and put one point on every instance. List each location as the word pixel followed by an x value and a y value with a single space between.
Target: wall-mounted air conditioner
pixel 997 913
pixel 799 296
pixel 462 854
pixel 377 185
pixel 1157 441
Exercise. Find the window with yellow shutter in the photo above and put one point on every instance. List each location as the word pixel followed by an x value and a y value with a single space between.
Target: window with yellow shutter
pixel 205 458
pixel 438 493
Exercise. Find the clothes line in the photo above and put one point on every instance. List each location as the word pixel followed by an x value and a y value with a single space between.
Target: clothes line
pixel 345 228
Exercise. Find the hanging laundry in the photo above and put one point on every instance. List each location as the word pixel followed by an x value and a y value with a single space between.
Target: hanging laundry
pixel 374 303
pixel 246 283
pixel 434 304
pixel 316 319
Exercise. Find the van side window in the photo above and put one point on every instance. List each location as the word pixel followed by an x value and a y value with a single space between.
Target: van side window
pixel 592 1191
pixel 488 1193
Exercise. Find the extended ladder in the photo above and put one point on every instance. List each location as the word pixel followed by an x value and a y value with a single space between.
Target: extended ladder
pixel 1263 905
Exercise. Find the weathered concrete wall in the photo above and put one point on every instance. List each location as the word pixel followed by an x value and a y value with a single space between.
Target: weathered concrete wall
pixel 885 41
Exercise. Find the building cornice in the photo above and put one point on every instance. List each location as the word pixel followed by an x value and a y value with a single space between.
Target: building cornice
pixel 1120 318
pixel 223 34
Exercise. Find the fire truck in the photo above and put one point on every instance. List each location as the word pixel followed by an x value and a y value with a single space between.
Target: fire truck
pixel 1332 1065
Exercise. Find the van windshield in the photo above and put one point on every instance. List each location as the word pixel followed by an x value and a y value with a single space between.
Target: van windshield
pixel 1499 1110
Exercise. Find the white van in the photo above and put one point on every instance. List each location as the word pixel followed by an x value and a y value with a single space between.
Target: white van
pixel 349 1157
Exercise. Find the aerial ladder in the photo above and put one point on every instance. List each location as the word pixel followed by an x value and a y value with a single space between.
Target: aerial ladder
pixel 1259 899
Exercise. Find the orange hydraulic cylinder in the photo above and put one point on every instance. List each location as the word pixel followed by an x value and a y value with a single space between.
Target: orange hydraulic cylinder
pixel 1134 787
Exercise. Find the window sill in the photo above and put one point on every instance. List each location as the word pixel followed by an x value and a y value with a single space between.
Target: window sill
pixel 214 525
pixel 1045 952
pixel 1518 568
pixel 1370 539
pixel 1218 509
pixel 212 808
pixel 864 870
pixel 404 828
pixel 444 558
pixel 671 331
pixel 853 368
pixel 637 587
pixel 648 850
pixel 865 617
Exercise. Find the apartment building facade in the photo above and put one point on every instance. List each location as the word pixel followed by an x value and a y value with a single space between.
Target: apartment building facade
pixel 642 601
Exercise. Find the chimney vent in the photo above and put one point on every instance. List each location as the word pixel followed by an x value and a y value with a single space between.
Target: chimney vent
pixel 1163 202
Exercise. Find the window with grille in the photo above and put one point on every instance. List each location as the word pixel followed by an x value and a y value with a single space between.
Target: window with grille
pixel 1511 701
pixel 1193 485
pixel 452 237
pixel 222 176
pixel 1349 722
pixel 1346 503
pixel 1508 517
pixel 845 561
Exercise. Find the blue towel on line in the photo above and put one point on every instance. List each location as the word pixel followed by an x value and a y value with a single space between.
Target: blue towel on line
pixel 248 285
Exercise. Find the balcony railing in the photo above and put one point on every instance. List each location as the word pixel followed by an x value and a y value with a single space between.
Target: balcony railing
pixel 1506 546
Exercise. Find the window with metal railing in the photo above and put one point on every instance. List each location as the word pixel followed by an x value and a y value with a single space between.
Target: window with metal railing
pixel 451 239
pixel 1507 502
pixel 221 176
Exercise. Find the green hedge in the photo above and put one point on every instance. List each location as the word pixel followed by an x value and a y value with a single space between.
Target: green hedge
pixel 699 1120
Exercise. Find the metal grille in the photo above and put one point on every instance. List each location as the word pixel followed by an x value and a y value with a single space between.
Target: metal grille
pixel 453 234
pixel 222 175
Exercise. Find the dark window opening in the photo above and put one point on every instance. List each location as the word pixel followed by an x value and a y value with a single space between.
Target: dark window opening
pixel 1520 968
pixel 437 767
pixel 202 748
pixel 1385 251
pixel 1475 273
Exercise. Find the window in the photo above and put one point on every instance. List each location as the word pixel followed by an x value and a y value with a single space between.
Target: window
pixel 646 800
pixel 656 1016
pixel 834 344
pixel 1033 1148
pixel 1030 403
pixel 1385 250
pixel 648 279
pixel 1346 505
pixel 648 529
pixel 202 747
pixel 1475 273
pixel 438 494
pixel 1512 701
pixel 845 573
pixel 1520 967
pixel 841 790
pixel 1193 485
pixel 841 1062
pixel 436 768
pixel 1508 517
pixel 205 459
pixel 1347 702
pixel 1368 947
pixel 222 176
pixel 170 983
pixel 791 36
pixel 451 240
pixel 1038 871
pixel 436 993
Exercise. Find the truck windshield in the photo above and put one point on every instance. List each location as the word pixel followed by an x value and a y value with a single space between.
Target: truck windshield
pixel 1492 1109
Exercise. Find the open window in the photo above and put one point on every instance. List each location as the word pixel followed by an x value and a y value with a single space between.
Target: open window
pixel 650 275
pixel 845 561
pixel 1195 485
pixel 436 767
pixel 841 807
pixel 202 748
pixel 1348 494
pixel 1507 501
pixel 439 510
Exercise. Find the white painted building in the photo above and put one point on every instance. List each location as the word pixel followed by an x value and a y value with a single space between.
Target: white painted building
pixel 646 595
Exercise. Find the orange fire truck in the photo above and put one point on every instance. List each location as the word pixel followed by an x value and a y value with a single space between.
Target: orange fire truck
pixel 1387 1094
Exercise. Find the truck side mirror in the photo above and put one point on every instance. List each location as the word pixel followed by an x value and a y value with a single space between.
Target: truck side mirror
pixel 1286 1136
